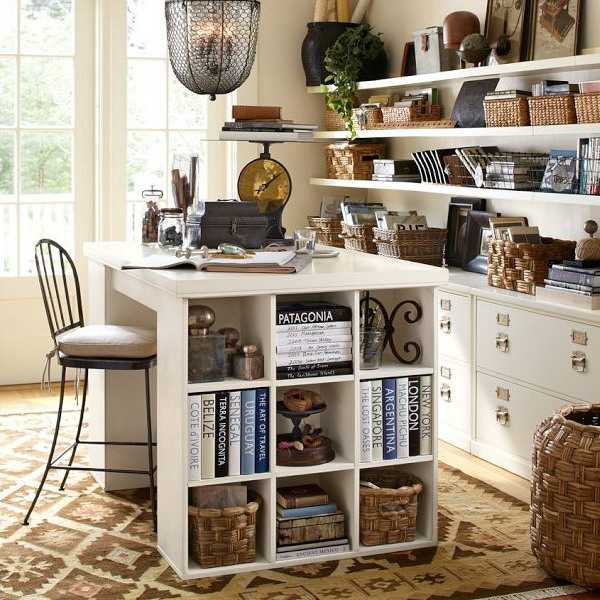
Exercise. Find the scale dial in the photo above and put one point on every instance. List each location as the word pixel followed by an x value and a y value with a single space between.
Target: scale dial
pixel 266 182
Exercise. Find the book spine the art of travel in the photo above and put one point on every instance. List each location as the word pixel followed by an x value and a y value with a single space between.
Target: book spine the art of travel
pixel 261 460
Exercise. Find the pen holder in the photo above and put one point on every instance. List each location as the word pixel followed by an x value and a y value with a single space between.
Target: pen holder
pixel 371 348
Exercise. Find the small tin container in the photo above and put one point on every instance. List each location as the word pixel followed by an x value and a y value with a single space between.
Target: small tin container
pixel 249 364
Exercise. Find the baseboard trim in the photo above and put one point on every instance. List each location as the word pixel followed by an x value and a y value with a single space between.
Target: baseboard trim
pixel 455 438
pixel 502 459
pixel 554 592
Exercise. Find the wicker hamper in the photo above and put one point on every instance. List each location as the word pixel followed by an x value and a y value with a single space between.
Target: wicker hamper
pixel 512 112
pixel 223 537
pixel 332 121
pixel 522 267
pixel 328 229
pixel 565 496
pixel 552 110
pixel 400 116
pixel 353 160
pixel 359 237
pixel 587 107
pixel 389 515
pixel 424 246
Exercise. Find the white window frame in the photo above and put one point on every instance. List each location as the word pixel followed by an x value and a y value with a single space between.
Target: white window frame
pixel 83 165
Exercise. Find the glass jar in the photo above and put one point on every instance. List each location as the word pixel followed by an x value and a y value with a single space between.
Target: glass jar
pixel 193 232
pixel 171 228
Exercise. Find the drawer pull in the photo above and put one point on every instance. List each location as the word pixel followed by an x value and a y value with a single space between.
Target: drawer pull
pixel 446 373
pixel 502 342
pixel 446 393
pixel 503 319
pixel 579 337
pixel 502 416
pixel 446 304
pixel 579 362
pixel 446 325
pixel 503 394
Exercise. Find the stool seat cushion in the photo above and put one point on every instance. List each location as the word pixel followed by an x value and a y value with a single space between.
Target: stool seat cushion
pixel 107 341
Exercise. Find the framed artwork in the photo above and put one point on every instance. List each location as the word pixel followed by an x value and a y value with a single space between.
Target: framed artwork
pixel 506 27
pixel 409 60
pixel 554 28
pixel 458 212
pixel 501 225
pixel 477 241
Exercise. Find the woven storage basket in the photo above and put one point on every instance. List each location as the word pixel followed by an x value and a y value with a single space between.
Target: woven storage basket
pixel 522 267
pixel 223 537
pixel 389 515
pixel 587 108
pixel 552 110
pixel 425 246
pixel 353 160
pixel 359 237
pixel 332 121
pixel 565 495
pixel 513 112
pixel 328 231
pixel 400 116
pixel 367 118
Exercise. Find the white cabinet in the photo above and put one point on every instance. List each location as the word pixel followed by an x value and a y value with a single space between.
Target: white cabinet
pixel 454 402
pixel 454 326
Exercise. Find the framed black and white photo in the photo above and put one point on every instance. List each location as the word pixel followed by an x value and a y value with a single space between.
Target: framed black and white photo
pixel 458 211
pixel 554 28
pixel 477 241
pixel 506 28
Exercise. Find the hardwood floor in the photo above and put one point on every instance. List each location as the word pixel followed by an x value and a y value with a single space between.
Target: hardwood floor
pixel 19 399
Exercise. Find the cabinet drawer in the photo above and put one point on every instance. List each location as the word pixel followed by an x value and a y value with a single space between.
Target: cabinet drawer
pixel 454 402
pixel 509 414
pixel 454 326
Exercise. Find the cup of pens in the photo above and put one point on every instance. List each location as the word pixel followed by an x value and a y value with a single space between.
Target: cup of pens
pixel 372 341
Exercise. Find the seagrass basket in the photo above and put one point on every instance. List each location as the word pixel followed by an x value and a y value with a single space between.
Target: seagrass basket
pixel 552 110
pixel 400 116
pixel 328 230
pixel 389 515
pixel 367 118
pixel 522 267
pixel 424 246
pixel 332 121
pixel 359 237
pixel 223 537
pixel 511 112
pixel 565 495
pixel 587 108
pixel 353 160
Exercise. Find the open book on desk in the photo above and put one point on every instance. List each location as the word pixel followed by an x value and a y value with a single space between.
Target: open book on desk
pixel 261 262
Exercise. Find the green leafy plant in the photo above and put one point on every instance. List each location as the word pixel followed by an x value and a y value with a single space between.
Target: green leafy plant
pixel 345 61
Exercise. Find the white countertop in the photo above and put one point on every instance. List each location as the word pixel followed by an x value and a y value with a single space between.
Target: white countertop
pixel 351 270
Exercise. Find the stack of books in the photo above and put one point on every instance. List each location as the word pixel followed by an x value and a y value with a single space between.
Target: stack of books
pixel 396 170
pixel 574 283
pixel 395 418
pixel 314 339
pixel 359 213
pixel 588 155
pixel 261 120
pixel 548 87
pixel 508 175
pixel 228 434
pixel 506 95
pixel 308 523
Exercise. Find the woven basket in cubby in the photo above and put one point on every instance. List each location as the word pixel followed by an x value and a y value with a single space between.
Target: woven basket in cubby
pixel 359 237
pixel 552 110
pixel 329 230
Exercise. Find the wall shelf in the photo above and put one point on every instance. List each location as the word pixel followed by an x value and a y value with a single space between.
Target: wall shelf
pixel 467 192
pixel 520 69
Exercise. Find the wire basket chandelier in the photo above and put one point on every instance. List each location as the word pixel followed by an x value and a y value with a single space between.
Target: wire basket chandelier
pixel 212 43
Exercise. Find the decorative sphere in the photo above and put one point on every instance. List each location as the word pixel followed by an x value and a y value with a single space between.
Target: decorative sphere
pixel 589 249
pixel 201 317
pixel 474 49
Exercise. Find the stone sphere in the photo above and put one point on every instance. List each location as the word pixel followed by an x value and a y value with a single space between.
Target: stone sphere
pixel 474 49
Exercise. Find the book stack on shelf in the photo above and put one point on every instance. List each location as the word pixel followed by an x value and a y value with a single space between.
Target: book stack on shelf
pixel 573 283
pixel 228 434
pixel 308 523
pixel 314 339
pixel 395 418
pixel 395 170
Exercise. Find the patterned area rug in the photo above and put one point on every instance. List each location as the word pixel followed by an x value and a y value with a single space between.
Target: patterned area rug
pixel 84 543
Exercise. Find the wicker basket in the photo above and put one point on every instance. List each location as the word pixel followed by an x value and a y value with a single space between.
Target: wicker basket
pixel 359 237
pixel 389 515
pixel 224 537
pixel 329 231
pixel 565 497
pixel 367 118
pixel 332 121
pixel 552 110
pixel 587 108
pixel 400 116
pixel 522 267
pixel 513 112
pixel 424 246
pixel 353 160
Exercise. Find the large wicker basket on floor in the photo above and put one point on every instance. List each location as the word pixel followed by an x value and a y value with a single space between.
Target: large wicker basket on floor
pixel 223 537
pixel 359 237
pixel 328 229
pixel 388 515
pixel 425 246
pixel 522 267
pixel 565 497
pixel 353 160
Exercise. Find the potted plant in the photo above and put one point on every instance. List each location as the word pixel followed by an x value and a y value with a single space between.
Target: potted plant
pixel 357 54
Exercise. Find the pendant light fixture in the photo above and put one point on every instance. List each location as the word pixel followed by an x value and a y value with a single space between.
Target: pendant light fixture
pixel 212 43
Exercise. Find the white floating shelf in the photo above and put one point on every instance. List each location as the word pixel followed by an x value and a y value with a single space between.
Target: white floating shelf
pixel 394 371
pixel 410 460
pixel 228 385
pixel 314 381
pixel 520 69
pixel 579 130
pixel 259 137
pixel 232 479
pixel 466 192
pixel 337 464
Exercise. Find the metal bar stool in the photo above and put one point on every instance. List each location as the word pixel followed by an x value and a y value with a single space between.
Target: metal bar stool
pixel 105 347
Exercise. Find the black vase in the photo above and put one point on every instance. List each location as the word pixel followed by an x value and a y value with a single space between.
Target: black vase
pixel 320 37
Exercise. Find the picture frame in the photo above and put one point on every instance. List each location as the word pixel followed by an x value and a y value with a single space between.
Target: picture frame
pixel 501 225
pixel 555 28
pixel 458 212
pixel 409 60
pixel 477 238
pixel 506 24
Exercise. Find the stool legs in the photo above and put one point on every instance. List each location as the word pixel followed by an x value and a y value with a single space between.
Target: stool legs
pixel 77 436
pixel 52 448
pixel 150 448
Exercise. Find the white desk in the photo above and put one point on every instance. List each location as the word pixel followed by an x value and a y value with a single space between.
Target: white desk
pixel 160 300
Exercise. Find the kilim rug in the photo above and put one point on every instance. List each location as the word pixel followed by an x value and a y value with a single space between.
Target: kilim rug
pixel 84 543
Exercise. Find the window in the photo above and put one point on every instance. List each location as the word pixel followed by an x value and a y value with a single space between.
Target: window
pixel 164 119
pixel 37 129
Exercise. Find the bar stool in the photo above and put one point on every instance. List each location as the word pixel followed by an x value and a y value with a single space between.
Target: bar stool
pixel 105 347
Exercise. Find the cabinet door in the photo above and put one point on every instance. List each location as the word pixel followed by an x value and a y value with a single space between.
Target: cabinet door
pixel 454 403
pixel 454 326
